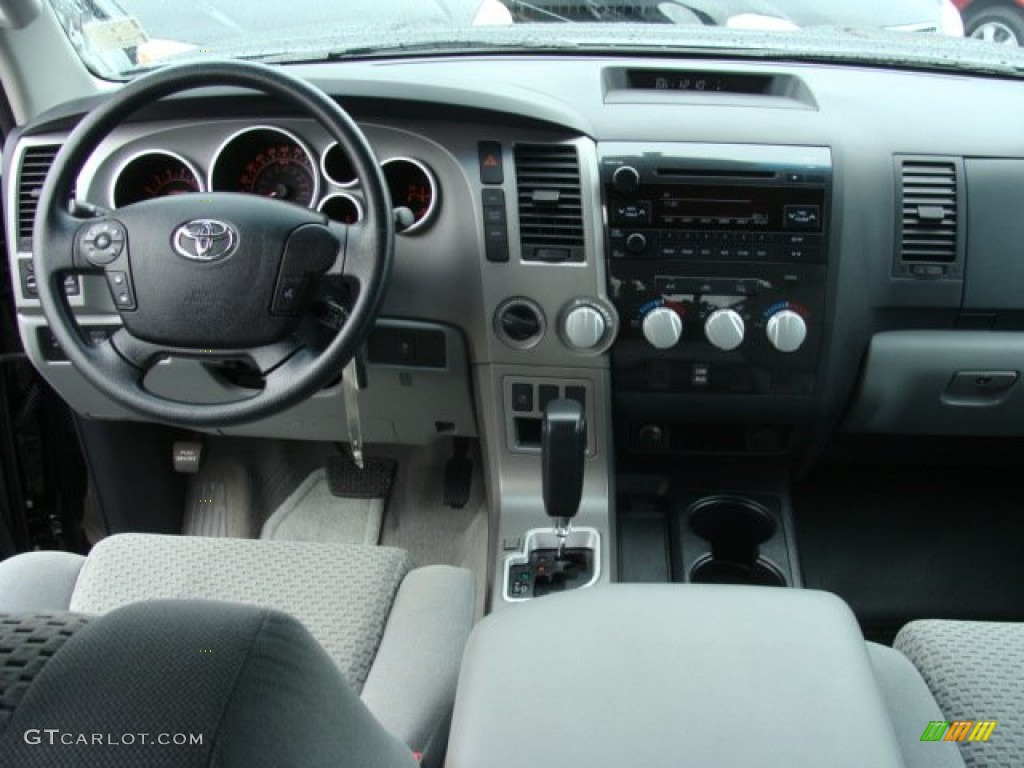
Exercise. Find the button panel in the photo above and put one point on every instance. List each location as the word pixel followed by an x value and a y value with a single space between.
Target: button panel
pixel 495 225
pixel 102 242
pixel 30 286
pixel 525 400
pixel 407 347
pixel 716 246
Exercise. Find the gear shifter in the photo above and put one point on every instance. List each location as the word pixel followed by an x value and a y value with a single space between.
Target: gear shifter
pixel 563 454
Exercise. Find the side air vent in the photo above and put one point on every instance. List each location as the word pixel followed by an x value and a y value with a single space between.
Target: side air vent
pixel 929 216
pixel 35 164
pixel 550 202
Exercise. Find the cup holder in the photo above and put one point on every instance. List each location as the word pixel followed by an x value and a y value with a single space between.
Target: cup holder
pixel 735 528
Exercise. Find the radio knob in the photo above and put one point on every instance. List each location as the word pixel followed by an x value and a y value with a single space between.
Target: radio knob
pixel 636 243
pixel 584 327
pixel 786 331
pixel 626 180
pixel 662 328
pixel 724 328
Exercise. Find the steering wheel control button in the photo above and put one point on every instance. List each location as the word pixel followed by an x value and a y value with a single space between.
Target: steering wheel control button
pixel 121 290
pixel 102 242
pixel 288 296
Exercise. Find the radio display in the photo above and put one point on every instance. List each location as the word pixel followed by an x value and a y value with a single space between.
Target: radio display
pixel 722 208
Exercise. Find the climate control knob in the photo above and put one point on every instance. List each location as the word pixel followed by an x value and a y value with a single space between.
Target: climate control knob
pixel 584 327
pixel 662 328
pixel 724 328
pixel 786 331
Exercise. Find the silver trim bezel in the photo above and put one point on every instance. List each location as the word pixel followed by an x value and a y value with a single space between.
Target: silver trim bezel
pixel 435 191
pixel 323 169
pixel 333 195
pixel 313 164
pixel 116 176
pixel 499 330
pixel 583 537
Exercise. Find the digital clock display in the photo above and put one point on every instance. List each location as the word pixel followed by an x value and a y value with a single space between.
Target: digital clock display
pixel 697 82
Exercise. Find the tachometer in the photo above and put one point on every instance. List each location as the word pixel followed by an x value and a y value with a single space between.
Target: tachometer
pixel 153 174
pixel 266 161
pixel 412 185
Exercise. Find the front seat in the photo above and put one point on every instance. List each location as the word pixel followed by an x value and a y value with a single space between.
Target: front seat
pixel 395 633
pixel 975 669
pixel 180 683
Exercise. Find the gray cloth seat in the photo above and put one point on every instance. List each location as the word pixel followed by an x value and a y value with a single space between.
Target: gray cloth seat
pixel 395 633
pixel 975 669
pixel 180 683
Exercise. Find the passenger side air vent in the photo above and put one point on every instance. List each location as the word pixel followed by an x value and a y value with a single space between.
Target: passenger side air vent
pixel 35 164
pixel 929 216
pixel 550 202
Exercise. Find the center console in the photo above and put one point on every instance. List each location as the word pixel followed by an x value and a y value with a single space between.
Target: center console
pixel 663 675
pixel 717 264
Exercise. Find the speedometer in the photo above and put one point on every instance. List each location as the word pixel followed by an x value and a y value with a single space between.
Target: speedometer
pixel 266 161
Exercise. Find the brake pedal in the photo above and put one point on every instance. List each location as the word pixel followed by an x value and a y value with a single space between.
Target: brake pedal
pixel 373 481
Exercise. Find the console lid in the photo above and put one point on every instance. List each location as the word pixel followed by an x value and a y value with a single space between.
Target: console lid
pixel 671 676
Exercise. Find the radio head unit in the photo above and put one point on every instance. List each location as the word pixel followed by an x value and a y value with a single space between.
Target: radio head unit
pixel 717 202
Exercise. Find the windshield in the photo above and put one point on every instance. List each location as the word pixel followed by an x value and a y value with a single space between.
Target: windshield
pixel 119 38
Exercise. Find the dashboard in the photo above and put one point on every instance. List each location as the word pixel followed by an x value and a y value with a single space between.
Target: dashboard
pixel 738 271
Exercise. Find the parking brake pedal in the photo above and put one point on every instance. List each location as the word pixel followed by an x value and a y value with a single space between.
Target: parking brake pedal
pixel 458 475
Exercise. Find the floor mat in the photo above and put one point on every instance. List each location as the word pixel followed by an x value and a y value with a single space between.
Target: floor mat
pixel 901 543
pixel 218 502
pixel 313 513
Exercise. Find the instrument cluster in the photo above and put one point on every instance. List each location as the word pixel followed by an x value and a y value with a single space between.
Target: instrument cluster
pixel 273 162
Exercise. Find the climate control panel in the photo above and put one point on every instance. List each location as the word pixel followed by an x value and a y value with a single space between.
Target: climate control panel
pixel 719 333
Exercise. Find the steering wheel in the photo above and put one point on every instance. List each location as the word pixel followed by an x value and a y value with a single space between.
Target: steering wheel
pixel 215 276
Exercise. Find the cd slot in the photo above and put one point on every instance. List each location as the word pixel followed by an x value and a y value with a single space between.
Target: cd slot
pixel 711 173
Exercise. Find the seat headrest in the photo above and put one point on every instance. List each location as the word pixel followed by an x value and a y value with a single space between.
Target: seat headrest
pixel 179 683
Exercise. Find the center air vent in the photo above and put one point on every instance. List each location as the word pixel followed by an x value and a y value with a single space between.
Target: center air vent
pixel 928 217
pixel 35 164
pixel 550 202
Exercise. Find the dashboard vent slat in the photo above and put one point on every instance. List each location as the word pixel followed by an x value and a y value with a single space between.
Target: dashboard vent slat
pixel 550 202
pixel 35 165
pixel 929 216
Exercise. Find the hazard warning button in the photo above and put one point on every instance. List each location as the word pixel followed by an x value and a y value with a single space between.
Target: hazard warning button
pixel 490 163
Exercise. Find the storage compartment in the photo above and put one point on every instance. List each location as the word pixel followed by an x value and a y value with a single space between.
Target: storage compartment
pixel 941 383
pixel 671 676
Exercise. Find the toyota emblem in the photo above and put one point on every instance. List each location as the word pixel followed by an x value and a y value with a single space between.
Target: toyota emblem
pixel 205 240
